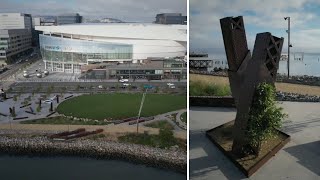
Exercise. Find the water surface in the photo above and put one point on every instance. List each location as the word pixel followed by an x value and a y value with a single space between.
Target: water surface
pixel 60 168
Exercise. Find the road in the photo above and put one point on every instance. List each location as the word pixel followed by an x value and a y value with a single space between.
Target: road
pixel 8 77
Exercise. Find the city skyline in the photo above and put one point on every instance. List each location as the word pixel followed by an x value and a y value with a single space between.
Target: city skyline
pixel 264 16
pixel 130 11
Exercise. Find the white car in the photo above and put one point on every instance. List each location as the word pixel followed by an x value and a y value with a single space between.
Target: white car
pixel 126 84
pixel 100 87
pixel 123 80
pixel 48 101
pixel 170 84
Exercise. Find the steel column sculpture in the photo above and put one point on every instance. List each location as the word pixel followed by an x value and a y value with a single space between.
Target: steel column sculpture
pixel 246 72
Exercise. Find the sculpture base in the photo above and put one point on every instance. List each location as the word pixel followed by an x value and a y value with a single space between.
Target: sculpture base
pixel 221 136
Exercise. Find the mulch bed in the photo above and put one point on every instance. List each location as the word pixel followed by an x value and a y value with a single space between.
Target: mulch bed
pixel 221 136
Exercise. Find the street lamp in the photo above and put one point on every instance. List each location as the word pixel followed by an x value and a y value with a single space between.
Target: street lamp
pixel 289 45
pixel 141 105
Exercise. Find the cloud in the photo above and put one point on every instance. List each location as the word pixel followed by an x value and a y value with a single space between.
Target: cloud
pixel 259 16
pixel 127 10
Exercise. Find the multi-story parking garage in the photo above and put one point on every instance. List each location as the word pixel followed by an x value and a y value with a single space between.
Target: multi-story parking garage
pixel 68 47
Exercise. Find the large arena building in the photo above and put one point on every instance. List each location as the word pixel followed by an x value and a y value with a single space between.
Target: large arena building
pixel 68 47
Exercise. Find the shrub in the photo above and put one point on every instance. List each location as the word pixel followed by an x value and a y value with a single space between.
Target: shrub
pixel 38 109
pixel 264 116
pixel 166 137
pixel 156 89
pixel 198 88
pixel 101 135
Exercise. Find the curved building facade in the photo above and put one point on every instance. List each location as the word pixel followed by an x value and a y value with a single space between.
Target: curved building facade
pixel 65 48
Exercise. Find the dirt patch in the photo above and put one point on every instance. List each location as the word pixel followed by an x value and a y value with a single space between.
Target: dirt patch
pixel 112 131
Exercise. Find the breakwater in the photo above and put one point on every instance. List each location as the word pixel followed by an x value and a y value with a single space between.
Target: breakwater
pixel 42 146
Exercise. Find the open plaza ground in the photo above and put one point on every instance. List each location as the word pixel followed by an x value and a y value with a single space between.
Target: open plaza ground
pixel 299 159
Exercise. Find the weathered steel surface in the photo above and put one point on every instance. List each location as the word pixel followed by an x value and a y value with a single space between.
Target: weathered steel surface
pixel 246 72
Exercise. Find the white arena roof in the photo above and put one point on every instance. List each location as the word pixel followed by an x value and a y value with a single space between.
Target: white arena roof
pixel 122 30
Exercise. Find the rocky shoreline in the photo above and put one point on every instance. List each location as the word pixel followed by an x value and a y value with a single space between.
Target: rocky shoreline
pixel 284 96
pixel 42 146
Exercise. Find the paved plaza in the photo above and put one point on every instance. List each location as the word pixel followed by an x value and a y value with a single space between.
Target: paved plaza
pixel 299 159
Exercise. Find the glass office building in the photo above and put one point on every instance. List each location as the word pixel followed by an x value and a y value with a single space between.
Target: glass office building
pixel 69 19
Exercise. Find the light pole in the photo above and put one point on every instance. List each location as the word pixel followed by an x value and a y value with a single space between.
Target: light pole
pixel 141 105
pixel 289 45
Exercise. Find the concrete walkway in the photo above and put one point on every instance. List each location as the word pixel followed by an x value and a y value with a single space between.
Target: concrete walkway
pixel 178 120
pixel 299 159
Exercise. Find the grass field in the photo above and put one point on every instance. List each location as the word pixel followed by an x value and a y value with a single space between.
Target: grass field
pixel 163 124
pixel 224 81
pixel 184 117
pixel 63 120
pixel 118 106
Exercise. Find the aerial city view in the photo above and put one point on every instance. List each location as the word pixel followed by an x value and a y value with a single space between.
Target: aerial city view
pixel 160 90
pixel 254 89
pixel 93 90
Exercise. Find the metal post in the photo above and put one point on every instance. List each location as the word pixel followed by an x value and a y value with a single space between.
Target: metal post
pixel 141 105
pixel 288 47
pixel 288 31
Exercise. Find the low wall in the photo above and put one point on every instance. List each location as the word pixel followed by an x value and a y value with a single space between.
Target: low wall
pixel 228 101
pixel 212 101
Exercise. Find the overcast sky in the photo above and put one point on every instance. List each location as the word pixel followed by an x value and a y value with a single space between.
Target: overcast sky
pixel 259 16
pixel 126 10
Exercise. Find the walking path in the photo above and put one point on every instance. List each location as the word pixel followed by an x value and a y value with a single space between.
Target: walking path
pixel 178 120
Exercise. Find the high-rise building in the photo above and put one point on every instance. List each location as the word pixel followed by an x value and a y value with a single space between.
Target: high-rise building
pixel 171 18
pixel 69 19
pixel 36 21
pixel 15 21
pixel 14 43
pixel 15 36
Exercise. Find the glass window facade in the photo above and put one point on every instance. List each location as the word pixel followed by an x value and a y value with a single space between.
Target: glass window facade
pixel 172 64
pixel 80 51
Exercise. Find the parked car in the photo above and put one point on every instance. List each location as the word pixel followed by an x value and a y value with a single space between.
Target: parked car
pixel 124 80
pixel 148 86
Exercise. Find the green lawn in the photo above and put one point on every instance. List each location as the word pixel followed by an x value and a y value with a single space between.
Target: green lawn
pixel 117 106
pixel 163 124
pixel 184 117
pixel 63 120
